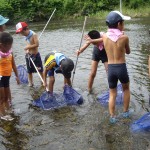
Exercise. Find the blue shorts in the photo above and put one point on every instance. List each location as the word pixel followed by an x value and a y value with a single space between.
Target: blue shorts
pixel 51 72
pixel 4 81
pixel 98 55
pixel 37 61
pixel 117 72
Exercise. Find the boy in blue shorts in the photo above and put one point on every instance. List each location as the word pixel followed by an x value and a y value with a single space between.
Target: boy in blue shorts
pixel 57 63
pixel 99 53
pixel 116 44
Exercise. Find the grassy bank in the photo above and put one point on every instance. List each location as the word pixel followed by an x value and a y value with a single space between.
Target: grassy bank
pixel 134 13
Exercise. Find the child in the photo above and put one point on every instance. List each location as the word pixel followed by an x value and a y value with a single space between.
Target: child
pixel 99 53
pixel 7 63
pixel 116 44
pixel 58 63
pixel 2 23
pixel 31 50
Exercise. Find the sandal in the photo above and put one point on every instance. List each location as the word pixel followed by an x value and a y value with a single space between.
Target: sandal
pixel 7 118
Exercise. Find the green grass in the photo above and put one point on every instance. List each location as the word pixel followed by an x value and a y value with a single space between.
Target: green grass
pixel 134 13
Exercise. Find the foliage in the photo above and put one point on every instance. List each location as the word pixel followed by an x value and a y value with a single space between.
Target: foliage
pixel 36 10
pixel 5 8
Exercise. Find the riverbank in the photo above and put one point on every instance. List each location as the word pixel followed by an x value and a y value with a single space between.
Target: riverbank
pixel 133 13
pixel 101 15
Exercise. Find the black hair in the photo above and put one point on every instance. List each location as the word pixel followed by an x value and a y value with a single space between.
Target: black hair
pixel 25 28
pixel 6 38
pixel 115 25
pixel 67 65
pixel 47 56
pixel 94 34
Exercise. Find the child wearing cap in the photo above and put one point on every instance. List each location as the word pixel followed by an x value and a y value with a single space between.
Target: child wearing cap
pixel 2 23
pixel 116 44
pixel 7 63
pixel 31 50
pixel 58 63
pixel 98 54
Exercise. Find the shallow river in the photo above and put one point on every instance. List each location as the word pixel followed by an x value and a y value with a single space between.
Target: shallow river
pixel 84 127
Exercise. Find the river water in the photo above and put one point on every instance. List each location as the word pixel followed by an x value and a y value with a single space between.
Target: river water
pixel 84 127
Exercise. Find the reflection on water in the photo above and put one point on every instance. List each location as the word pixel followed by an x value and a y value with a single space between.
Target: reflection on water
pixel 85 127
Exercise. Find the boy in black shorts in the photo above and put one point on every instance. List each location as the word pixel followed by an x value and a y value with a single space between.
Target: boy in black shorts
pixel 31 50
pixel 99 53
pixel 117 45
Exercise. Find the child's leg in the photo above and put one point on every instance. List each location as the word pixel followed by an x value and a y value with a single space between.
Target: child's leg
pixel 94 66
pixel 30 79
pixel 41 73
pixel 51 83
pixel 6 102
pixel 112 100
pixel 106 66
pixel 2 99
pixel 9 95
pixel 126 98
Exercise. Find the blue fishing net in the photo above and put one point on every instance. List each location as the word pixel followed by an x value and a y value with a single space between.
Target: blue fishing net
pixel 22 73
pixel 142 124
pixel 104 97
pixel 48 101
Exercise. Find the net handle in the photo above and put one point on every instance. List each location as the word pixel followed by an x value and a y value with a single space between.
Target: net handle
pixel 79 47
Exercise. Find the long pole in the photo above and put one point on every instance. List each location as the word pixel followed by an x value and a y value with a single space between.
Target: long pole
pixel 79 47
pixel 47 23
pixel 121 6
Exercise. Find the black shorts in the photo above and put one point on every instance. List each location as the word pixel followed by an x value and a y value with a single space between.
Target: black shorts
pixel 4 81
pixel 37 61
pixel 117 72
pixel 98 55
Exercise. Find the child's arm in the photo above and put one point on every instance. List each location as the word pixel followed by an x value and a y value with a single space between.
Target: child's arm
pixel 15 70
pixel 82 48
pixel 93 41
pixel 67 81
pixel 45 77
pixel 127 46
pixel 35 45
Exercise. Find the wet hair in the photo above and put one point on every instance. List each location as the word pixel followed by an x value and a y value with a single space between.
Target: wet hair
pixel 115 25
pixel 6 38
pixel 94 34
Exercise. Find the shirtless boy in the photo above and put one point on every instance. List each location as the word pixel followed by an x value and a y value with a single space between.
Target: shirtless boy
pixel 116 44
pixel 31 50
